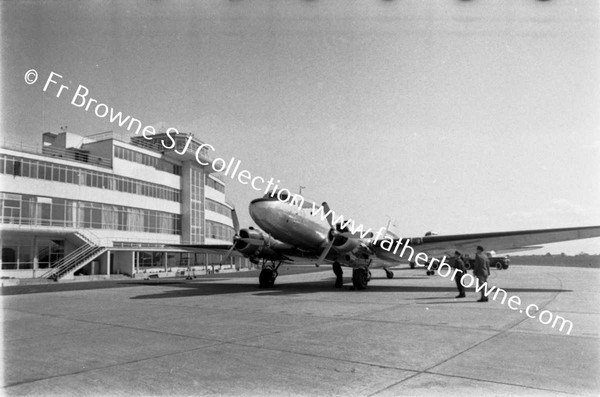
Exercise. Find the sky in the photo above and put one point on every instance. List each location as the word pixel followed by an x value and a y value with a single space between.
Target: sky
pixel 451 116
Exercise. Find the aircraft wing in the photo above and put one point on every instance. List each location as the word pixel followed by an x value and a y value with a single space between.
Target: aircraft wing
pixel 201 246
pixel 511 250
pixel 271 253
pixel 439 245
pixel 205 248
pixel 500 241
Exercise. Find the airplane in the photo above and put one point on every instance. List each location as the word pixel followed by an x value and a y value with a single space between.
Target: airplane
pixel 291 231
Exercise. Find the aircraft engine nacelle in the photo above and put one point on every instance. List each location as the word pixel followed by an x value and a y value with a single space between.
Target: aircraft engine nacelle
pixel 344 244
pixel 358 254
pixel 253 243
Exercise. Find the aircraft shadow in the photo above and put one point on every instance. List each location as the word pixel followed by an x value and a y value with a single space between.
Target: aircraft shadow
pixel 195 288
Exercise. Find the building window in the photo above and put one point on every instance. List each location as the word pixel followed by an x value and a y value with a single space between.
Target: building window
pixel 62 173
pixel 142 158
pixel 219 231
pixel 215 185
pixel 31 210
pixel 219 208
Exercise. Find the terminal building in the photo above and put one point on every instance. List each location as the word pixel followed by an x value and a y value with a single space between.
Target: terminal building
pixel 104 205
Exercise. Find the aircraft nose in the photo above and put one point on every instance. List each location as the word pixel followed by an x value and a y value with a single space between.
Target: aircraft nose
pixel 259 210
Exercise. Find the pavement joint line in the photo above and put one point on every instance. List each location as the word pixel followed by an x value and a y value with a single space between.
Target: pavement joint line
pixel 533 332
pixel 314 355
pixel 239 342
pixel 313 300
pixel 123 326
pixel 216 342
pixel 506 330
pixel 67 333
pixel 496 382
pixel 420 324
pixel 108 366
pixel 475 379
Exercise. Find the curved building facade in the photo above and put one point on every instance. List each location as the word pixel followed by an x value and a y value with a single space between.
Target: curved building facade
pixel 98 205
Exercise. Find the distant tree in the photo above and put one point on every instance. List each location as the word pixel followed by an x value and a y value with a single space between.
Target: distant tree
pixel 563 254
pixel 548 254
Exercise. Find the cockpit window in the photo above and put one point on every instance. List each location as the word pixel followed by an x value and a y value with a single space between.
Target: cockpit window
pixel 285 196
pixel 280 194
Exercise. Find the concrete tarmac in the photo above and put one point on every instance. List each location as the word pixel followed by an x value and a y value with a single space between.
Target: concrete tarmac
pixel 224 336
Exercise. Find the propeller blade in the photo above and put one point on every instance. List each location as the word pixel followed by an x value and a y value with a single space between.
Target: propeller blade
pixel 236 223
pixel 228 254
pixel 324 253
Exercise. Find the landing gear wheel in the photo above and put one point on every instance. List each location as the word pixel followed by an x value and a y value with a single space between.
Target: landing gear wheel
pixel 360 278
pixel 389 274
pixel 267 277
pixel 339 275
pixel 412 265
pixel 430 272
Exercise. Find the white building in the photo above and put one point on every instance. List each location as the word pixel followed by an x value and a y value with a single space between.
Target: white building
pixel 98 205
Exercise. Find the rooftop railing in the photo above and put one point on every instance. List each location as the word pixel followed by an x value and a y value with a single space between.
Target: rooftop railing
pixel 78 155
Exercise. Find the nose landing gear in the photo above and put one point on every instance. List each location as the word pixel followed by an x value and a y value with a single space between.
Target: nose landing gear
pixel 268 274
pixel 361 277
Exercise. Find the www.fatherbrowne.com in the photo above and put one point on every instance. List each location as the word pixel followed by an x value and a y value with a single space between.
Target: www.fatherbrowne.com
pixel 82 99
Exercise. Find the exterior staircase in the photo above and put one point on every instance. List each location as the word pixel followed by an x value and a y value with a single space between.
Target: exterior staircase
pixel 75 260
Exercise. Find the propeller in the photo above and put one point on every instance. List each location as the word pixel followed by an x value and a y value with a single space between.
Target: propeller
pixel 334 234
pixel 236 236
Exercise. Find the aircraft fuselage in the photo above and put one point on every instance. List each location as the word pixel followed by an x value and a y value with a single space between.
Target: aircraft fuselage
pixel 289 223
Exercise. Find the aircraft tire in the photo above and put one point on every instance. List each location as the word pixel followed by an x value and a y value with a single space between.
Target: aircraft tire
pixel 266 279
pixel 389 274
pixel 360 278
pixel 412 265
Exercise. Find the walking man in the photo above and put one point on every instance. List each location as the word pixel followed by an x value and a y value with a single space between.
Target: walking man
pixel 481 270
pixel 459 265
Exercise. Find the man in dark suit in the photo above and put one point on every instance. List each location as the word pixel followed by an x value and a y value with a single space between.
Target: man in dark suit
pixel 481 270
pixel 459 265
